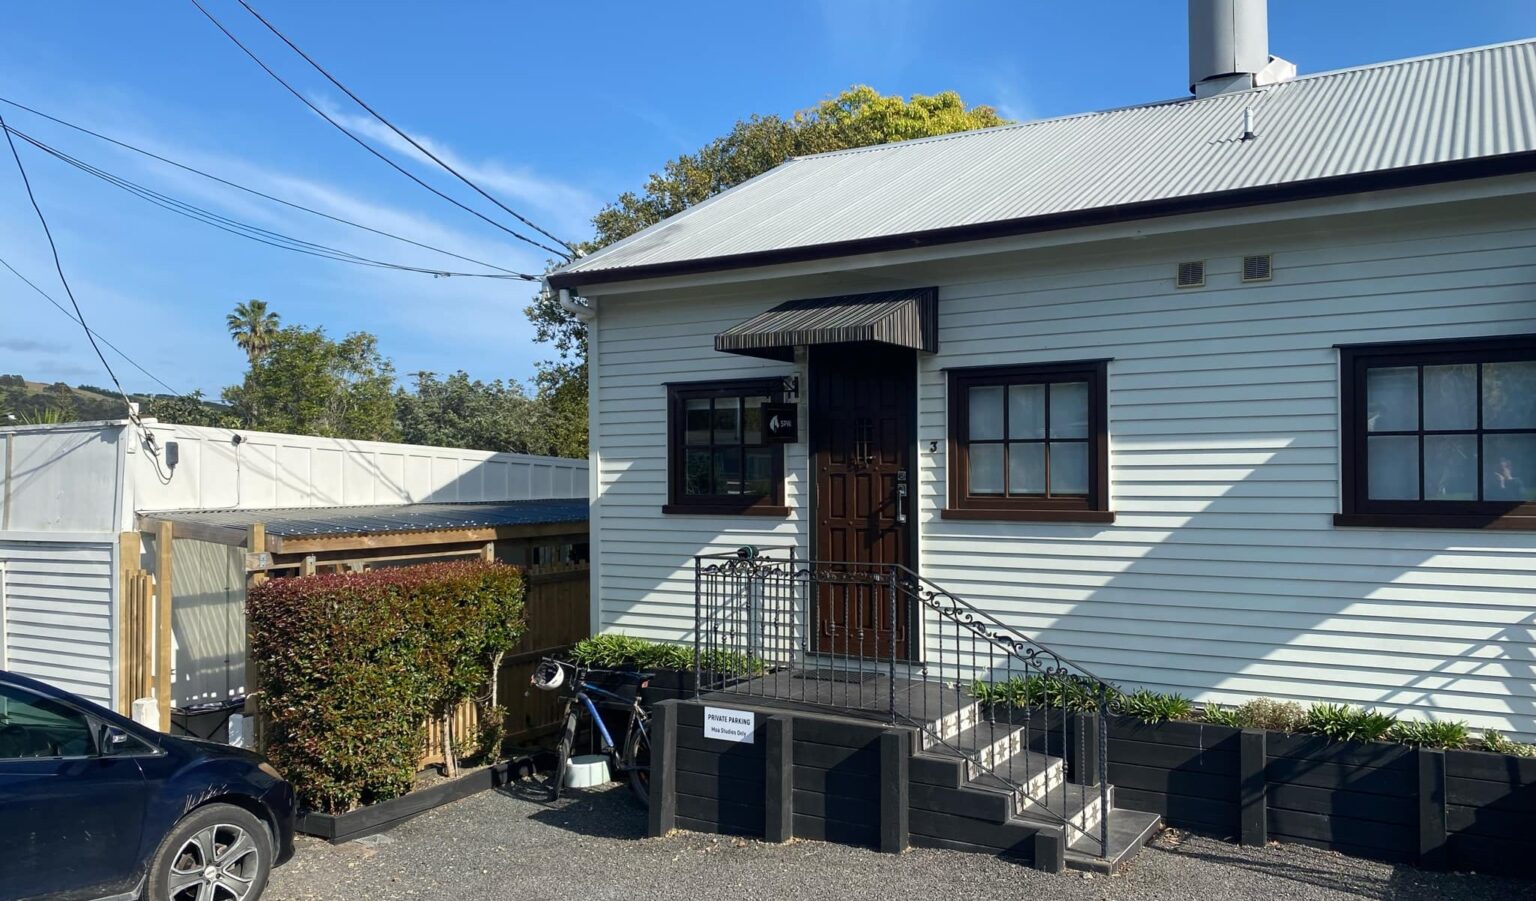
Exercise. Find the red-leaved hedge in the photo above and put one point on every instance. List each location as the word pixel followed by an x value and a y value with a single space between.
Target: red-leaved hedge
pixel 351 666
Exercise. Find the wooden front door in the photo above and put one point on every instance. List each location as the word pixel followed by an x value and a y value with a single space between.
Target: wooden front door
pixel 863 416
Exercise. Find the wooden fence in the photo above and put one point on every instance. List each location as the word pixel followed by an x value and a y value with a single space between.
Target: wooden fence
pixel 558 615
pixel 136 657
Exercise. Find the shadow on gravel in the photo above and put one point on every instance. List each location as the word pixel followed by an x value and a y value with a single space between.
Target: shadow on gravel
pixel 590 812
pixel 1344 874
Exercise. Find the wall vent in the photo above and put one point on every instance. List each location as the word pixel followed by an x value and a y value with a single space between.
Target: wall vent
pixel 1191 274
pixel 1257 268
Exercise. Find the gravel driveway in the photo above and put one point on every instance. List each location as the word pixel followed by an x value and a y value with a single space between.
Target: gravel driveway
pixel 503 845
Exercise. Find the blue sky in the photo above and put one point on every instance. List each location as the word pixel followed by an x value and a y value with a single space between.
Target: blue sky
pixel 555 107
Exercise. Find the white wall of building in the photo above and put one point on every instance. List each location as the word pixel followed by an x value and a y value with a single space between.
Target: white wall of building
pixel 1223 576
pixel 56 610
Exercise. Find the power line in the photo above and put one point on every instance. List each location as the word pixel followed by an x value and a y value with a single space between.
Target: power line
pixel 413 142
pixel 245 229
pixel 365 145
pixel 59 266
pixel 62 309
pixel 249 190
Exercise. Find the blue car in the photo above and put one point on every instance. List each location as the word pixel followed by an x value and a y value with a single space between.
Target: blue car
pixel 93 805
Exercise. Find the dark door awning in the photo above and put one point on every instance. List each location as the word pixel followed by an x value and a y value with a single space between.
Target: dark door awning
pixel 905 318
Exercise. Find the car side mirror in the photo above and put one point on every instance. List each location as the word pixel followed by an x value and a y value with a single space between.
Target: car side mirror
pixel 114 740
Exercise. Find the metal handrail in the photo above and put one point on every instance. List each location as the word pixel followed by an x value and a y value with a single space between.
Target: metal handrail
pixel 749 604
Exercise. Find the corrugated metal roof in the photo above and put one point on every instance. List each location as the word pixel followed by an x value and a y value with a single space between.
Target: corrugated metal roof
pixel 905 318
pixel 312 522
pixel 1446 108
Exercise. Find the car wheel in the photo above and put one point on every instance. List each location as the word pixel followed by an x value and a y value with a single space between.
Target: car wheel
pixel 216 853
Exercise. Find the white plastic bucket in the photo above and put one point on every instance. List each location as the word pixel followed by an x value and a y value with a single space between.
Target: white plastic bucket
pixel 586 771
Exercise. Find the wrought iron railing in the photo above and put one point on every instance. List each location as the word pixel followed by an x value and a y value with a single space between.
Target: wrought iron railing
pixel 880 640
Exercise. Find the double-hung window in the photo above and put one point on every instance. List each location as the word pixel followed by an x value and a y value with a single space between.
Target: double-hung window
pixel 1029 442
pixel 719 456
pixel 1440 434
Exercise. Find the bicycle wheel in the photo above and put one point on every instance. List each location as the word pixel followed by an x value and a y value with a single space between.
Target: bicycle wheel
pixel 637 757
pixel 563 754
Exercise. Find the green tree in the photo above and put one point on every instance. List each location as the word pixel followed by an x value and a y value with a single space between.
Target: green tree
pixel 458 412
pixel 858 117
pixel 191 409
pixel 307 384
pixel 252 326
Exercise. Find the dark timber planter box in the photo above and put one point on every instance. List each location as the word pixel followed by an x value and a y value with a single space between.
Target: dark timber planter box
pixel 1467 810
pixel 385 815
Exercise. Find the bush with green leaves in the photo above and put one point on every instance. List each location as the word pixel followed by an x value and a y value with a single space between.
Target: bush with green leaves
pixel 1496 742
pixel 351 666
pixel 1267 713
pixel 1153 707
pixel 1342 722
pixel 1216 715
pixel 1450 735
pixel 1063 691
pixel 615 650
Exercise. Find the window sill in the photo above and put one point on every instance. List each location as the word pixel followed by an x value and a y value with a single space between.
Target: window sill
pixel 1094 516
pixel 718 510
pixel 1434 521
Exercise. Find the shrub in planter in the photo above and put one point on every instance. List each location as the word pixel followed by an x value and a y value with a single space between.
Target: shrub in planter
pixel 615 650
pixel 1341 722
pixel 352 665
pixel 1451 735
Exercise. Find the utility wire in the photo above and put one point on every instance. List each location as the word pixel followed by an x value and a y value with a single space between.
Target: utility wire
pixel 224 181
pixel 59 266
pixel 244 229
pixel 413 142
pixel 365 145
pixel 62 309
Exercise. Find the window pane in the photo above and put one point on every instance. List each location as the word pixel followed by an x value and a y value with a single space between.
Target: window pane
pixel 1026 411
pixel 1069 466
pixel 1509 395
pixel 1450 398
pixel 759 471
pixel 696 421
pixel 728 471
pixel 1510 464
pixel 1026 468
pixel 1392 472
pixel 752 422
pixel 987 415
pixel 31 726
pixel 1069 410
pixel 1450 464
pixel 986 475
pixel 1392 399
pixel 696 472
pixel 727 420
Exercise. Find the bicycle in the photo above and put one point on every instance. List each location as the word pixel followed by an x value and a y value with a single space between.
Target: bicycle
pixel 634 757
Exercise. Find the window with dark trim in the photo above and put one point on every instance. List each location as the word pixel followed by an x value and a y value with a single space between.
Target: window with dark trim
pixel 1440 434
pixel 719 459
pixel 1029 442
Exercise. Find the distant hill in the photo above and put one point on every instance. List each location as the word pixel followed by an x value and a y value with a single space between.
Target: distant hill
pixel 31 401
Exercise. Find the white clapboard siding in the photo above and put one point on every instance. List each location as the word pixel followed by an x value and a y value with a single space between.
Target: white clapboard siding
pixel 58 612
pixel 1223 577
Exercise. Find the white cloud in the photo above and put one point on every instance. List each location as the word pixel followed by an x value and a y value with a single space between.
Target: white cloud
pixel 567 208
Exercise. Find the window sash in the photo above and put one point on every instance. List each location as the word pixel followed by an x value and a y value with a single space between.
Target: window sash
pixel 1037 432
pixel 721 443
pixel 1433 435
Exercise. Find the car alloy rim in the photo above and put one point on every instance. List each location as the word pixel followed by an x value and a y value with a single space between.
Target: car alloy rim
pixel 217 863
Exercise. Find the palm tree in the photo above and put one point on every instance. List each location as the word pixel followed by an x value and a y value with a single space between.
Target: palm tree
pixel 252 327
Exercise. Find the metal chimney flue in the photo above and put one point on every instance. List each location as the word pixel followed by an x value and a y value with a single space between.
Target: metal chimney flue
pixel 1229 47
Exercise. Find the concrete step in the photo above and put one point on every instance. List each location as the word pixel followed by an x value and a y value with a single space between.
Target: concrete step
pixel 1129 832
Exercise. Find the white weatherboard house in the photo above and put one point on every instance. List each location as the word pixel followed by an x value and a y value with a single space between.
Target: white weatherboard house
pixel 1232 395
pixel 83 507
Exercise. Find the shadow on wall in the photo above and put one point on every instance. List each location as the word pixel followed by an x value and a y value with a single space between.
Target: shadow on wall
pixel 1252 592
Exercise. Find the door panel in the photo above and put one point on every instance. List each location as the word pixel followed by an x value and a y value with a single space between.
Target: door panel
pixel 863 411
